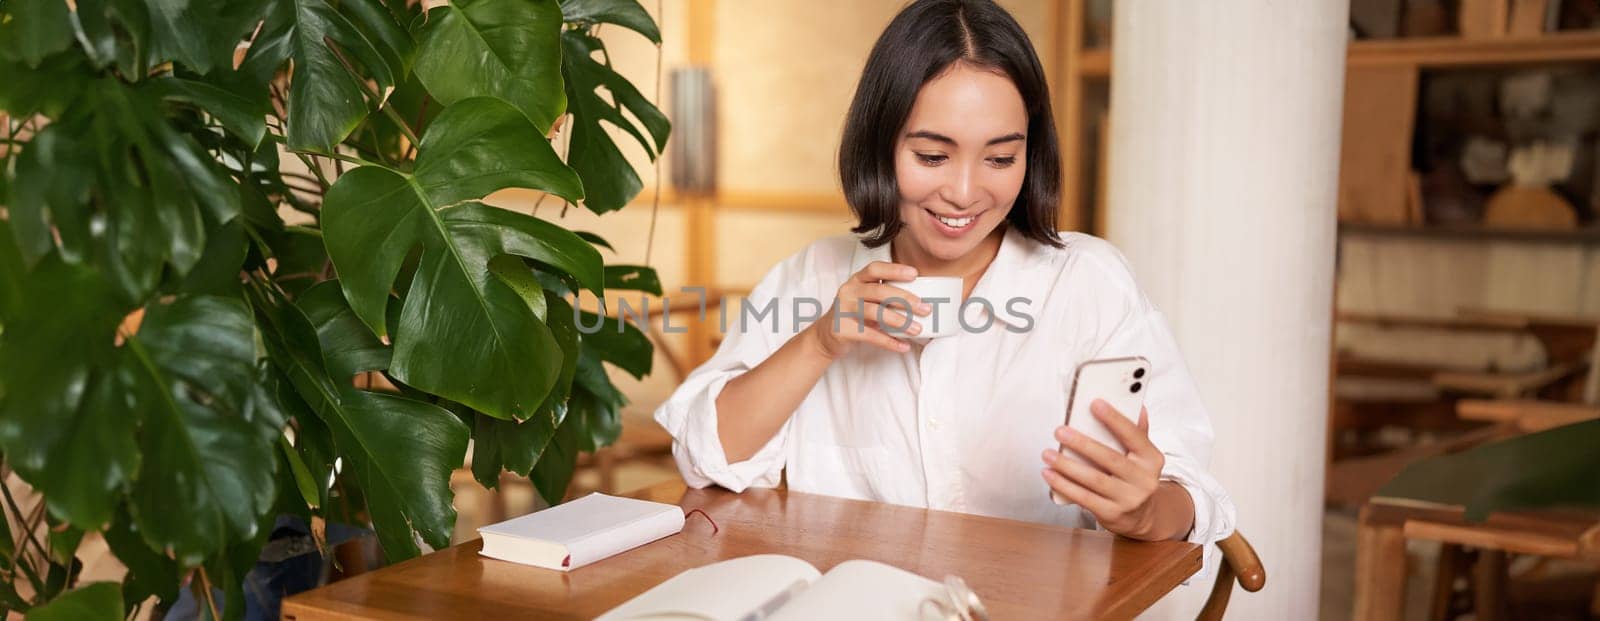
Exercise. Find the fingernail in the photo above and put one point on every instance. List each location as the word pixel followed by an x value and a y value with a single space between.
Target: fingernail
pixel 910 272
pixel 1049 457
pixel 924 308
pixel 1063 433
pixel 915 329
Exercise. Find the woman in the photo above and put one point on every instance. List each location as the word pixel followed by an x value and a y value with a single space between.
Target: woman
pixel 949 162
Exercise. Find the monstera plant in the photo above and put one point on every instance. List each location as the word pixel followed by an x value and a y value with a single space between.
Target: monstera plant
pixel 180 364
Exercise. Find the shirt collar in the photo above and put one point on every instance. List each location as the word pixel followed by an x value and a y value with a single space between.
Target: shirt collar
pixel 1002 281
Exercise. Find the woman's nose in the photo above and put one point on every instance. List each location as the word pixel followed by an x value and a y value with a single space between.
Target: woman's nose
pixel 961 189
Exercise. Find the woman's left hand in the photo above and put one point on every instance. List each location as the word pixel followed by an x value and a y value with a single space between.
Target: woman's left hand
pixel 1119 489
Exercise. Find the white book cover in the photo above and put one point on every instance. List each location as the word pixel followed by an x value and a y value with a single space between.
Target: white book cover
pixel 579 532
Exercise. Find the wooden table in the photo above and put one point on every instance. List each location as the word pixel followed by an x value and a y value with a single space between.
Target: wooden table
pixel 1019 569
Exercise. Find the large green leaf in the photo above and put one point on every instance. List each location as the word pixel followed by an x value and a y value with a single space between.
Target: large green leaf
pixel 609 181
pixel 463 333
pixel 603 421
pixel 592 420
pixel 12 272
pixel 210 426
pixel 200 34
pixel 120 188
pixel 150 573
pixel 347 346
pixel 326 102
pixel 132 35
pixel 33 29
pixel 48 89
pixel 92 602
pixel 510 49
pixel 401 451
pixel 633 278
pixel 115 34
pixel 517 445
pixel 618 342
pixel 553 472
pixel 217 271
pixel 241 114
pixel 73 411
pixel 1550 468
pixel 626 13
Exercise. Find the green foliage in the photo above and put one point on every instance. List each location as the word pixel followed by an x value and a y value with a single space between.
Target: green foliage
pixel 1551 468
pixel 179 364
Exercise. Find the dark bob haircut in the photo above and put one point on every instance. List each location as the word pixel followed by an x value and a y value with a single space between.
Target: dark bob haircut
pixel 921 43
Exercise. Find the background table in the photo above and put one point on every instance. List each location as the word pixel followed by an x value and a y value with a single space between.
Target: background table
pixel 1020 569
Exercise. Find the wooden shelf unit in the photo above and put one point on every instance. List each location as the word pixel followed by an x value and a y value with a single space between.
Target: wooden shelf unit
pixel 1474 233
pixel 1093 66
pixel 1432 52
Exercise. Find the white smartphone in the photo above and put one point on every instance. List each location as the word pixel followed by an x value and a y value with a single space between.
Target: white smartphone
pixel 1121 383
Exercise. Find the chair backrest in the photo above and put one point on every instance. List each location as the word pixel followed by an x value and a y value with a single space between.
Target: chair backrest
pixel 1239 564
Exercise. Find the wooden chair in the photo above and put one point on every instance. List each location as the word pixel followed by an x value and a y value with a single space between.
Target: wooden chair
pixel 1239 564
pixel 1386 524
pixel 1570 374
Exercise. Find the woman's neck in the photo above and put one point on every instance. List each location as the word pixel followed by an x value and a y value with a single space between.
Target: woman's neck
pixel 970 266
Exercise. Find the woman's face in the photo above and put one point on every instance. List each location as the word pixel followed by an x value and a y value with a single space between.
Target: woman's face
pixel 960 160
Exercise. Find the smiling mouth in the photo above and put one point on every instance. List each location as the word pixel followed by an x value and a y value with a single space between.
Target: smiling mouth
pixel 955 224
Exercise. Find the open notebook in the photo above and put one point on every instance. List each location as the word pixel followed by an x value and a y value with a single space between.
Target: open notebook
pixel 782 588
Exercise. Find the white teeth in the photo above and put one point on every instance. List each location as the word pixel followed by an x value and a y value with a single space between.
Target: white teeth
pixel 956 223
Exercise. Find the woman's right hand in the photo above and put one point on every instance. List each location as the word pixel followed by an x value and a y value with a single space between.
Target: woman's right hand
pixel 861 301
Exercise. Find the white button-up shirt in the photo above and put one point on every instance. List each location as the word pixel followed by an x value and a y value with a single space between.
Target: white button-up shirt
pixel 958 423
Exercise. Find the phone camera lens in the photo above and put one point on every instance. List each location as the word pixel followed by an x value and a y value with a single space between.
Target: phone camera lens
pixel 1135 388
pixel 1138 373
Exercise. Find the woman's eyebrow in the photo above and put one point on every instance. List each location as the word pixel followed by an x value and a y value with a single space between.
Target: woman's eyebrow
pixel 923 133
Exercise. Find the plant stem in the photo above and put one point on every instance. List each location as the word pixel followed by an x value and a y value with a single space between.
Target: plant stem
pixel 303 188
pixel 316 169
pixel 295 204
pixel 22 544
pixel 28 523
pixel 300 176
pixel 383 104
pixel 422 112
pixel 205 590
pixel 347 158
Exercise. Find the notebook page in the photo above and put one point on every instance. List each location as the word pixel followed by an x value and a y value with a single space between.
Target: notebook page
pixel 865 590
pixel 725 591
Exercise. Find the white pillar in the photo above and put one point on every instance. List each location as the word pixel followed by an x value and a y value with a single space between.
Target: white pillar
pixel 1223 174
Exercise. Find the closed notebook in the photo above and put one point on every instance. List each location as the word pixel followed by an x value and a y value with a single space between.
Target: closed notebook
pixel 782 588
pixel 579 532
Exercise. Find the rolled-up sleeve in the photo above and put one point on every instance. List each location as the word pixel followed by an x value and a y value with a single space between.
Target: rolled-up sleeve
pixel 1129 325
pixel 690 414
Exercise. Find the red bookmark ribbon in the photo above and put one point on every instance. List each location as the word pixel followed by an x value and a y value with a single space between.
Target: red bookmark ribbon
pixel 703 514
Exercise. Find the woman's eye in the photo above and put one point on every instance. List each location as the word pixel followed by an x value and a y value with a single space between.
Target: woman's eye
pixel 1003 162
pixel 932 160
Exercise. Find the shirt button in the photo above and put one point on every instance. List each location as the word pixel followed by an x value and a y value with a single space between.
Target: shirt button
pixel 933 423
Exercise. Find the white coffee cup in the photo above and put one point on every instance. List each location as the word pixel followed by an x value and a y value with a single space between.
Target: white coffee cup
pixel 943 293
